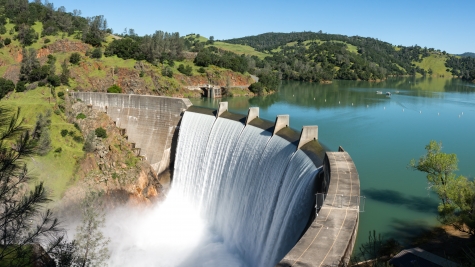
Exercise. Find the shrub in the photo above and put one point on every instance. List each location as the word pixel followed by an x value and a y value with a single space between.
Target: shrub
pixel 21 86
pixel 47 41
pixel 58 150
pixel 62 108
pixel 201 70
pixel 101 132
pixel 71 133
pixel 96 53
pixel 64 132
pixel 167 71
pixel 75 58
pixel 188 71
pixel 77 127
pixel 81 116
pixel 54 80
pixel 61 95
pixel 78 139
pixel 7 41
pixel 115 89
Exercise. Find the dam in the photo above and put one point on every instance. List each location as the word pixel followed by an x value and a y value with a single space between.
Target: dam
pixel 258 184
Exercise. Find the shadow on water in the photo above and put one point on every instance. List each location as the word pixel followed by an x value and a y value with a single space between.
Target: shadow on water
pixel 419 204
pixel 406 230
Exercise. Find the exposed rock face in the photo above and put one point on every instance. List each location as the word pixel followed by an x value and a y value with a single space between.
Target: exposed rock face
pixel 112 167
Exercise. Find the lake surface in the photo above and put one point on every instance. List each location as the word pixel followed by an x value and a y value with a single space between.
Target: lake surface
pixel 382 134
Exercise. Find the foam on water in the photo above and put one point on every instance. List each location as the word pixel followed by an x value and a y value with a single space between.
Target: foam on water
pixel 240 197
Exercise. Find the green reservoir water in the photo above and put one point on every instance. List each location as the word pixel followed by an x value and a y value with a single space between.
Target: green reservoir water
pixel 382 134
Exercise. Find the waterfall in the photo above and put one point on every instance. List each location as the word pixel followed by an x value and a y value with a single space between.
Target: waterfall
pixel 254 190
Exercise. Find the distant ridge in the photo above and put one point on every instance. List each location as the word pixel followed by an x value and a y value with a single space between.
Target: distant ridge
pixel 468 54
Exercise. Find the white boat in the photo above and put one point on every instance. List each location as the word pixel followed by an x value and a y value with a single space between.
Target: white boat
pixel 379 92
pixel 388 93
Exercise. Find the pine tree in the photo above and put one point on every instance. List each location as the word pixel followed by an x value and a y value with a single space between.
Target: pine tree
pixel 92 247
pixel 23 225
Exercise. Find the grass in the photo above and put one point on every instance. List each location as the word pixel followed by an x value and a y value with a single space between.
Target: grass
pixel 55 169
pixel 201 39
pixel 240 49
pixel 436 62
pixel 115 61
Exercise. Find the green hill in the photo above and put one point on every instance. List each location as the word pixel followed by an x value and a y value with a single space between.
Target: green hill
pixel 320 56
pixel 435 65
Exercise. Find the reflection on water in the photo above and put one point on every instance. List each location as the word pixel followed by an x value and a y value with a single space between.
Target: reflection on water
pixel 382 134
pixel 355 93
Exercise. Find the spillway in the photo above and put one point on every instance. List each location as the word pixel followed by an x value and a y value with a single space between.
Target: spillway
pixel 254 189
pixel 246 186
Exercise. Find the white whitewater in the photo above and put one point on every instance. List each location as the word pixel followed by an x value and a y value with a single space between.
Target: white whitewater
pixel 253 190
pixel 239 197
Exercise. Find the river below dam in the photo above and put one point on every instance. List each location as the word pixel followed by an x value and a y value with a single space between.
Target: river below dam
pixel 382 134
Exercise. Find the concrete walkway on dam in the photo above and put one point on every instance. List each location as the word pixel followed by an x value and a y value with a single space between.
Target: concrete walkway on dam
pixel 330 238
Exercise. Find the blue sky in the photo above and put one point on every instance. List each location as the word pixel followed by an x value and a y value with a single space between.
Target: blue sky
pixel 445 25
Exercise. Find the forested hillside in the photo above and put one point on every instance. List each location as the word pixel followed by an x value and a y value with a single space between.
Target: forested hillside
pixel 45 46
pixel 42 45
pixel 319 56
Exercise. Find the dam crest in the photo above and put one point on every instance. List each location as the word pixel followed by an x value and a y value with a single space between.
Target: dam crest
pixel 254 181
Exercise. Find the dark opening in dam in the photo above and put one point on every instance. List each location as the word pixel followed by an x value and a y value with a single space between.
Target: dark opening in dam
pixel 249 184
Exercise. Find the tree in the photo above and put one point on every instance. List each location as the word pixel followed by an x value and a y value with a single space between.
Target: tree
pixel 95 31
pixel 92 247
pixel 439 168
pixel 54 80
pixel 457 194
pixel 22 222
pixel 41 134
pixel 211 40
pixel 29 65
pixel 65 73
pixel 96 53
pixel 6 86
pixel 21 86
pixel 26 35
pixel 75 58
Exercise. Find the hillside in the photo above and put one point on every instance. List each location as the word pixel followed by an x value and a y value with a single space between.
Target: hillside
pixel 468 54
pixel 320 56
pixel 42 55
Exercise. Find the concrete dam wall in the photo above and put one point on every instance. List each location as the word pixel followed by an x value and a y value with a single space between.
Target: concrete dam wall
pixel 253 180
pixel 148 121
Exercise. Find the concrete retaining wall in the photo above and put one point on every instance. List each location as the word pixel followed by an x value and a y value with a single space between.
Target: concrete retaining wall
pixel 149 121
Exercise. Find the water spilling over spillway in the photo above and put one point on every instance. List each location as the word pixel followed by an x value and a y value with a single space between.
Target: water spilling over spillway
pixel 241 196
pixel 255 190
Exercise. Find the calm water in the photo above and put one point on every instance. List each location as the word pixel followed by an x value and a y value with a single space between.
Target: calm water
pixel 382 134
